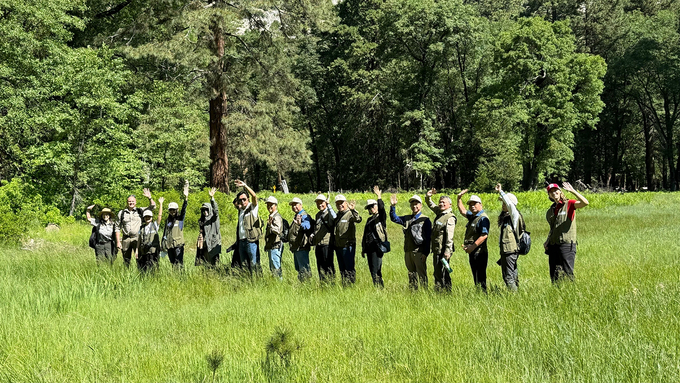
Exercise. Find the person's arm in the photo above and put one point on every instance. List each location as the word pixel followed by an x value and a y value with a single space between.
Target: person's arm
pixel 331 212
pixel 87 214
pixel 213 203
pixel 147 194
pixel 512 208
pixel 277 224
pixel 306 223
pixel 461 206
pixel 394 217
pixel 160 210
pixel 183 212
pixel 450 229
pixel 581 200
pixel 428 200
pixel 382 214
pixel 253 196
pixel 356 217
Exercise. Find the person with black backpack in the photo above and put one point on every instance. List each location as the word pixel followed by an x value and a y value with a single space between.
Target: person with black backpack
pixel 273 235
pixel 511 224
pixel 104 237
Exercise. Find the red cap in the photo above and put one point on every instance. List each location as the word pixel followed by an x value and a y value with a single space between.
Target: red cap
pixel 552 186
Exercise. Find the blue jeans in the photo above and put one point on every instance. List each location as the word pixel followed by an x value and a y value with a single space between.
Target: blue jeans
pixel 248 253
pixel 301 258
pixel 346 263
pixel 275 262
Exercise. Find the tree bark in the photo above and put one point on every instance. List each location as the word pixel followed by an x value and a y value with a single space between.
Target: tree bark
pixel 649 151
pixel 219 161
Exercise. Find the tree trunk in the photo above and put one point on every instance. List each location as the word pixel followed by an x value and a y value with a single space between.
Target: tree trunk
pixel 219 162
pixel 649 151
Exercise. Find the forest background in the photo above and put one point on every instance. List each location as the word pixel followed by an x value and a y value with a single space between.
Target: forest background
pixel 100 97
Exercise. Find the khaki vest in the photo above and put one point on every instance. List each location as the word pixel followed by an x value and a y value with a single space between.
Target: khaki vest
pixel 440 234
pixel 471 230
pixel 323 230
pixel 272 240
pixel 175 235
pixel 296 238
pixel 508 239
pixel 149 241
pixel 252 225
pixel 345 228
pixel 562 230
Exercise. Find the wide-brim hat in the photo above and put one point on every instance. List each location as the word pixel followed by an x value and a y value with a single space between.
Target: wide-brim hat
pixel 340 198
pixel 415 197
pixel 105 210
pixel 475 199
pixel 370 203
pixel 295 201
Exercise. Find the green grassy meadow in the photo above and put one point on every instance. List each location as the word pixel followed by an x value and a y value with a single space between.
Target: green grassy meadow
pixel 64 319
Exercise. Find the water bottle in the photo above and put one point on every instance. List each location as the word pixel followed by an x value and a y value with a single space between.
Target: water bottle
pixel 446 265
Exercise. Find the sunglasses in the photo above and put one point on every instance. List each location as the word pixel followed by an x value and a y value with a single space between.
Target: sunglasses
pixel 243 199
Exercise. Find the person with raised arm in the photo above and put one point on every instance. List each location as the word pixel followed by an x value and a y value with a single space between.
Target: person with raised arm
pixel 345 238
pixel 442 238
pixel 249 228
pixel 511 224
pixel 417 230
pixel 560 246
pixel 173 232
pixel 476 234
pixel 130 220
pixel 105 235
pixel 209 243
pixel 148 245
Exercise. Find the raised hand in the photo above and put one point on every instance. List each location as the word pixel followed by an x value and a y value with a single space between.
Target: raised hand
pixel 90 207
pixel 498 188
pixel 186 189
pixel 567 186
pixel 240 183
pixel 393 199
pixel 212 192
pixel 161 199
pixel 377 191
pixel 431 192
pixel 147 193
pixel 351 204
pixel 462 193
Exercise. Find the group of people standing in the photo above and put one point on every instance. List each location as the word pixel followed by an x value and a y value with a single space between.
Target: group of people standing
pixel 333 235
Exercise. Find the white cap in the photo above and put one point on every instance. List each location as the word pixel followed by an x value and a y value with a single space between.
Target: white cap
pixel 340 197
pixel 272 199
pixel 173 205
pixel 321 198
pixel 147 213
pixel 475 198
pixel 415 198
pixel 371 202
pixel 511 197
pixel 295 200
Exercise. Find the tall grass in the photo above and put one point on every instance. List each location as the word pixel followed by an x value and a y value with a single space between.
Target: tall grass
pixel 66 319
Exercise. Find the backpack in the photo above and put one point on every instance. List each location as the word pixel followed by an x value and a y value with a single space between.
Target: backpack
pixel 285 230
pixel 524 240
pixel 93 236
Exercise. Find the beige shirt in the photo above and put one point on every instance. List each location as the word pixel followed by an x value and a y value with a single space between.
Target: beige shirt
pixel 131 221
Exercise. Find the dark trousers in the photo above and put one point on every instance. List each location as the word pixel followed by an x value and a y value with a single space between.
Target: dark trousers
pixel 442 278
pixel 147 261
pixel 176 256
pixel 561 259
pixel 374 258
pixel 478 262
pixel 104 252
pixel 508 264
pixel 324 262
pixel 346 263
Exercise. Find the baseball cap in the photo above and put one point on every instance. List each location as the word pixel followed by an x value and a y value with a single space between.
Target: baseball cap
pixel 552 186
pixel 321 198
pixel 173 205
pixel 370 203
pixel 272 199
pixel 340 197
pixel 510 197
pixel 475 198
pixel 295 200
pixel 147 213
pixel 415 198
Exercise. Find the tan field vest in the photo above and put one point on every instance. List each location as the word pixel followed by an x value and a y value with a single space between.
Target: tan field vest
pixel 562 229
pixel 508 239
pixel 440 234
pixel 252 225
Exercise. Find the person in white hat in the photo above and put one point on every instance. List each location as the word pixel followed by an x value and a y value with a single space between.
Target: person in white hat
pixel 442 238
pixel 273 243
pixel 104 235
pixel 322 239
pixel 298 238
pixel 511 224
pixel 148 245
pixel 417 232
pixel 173 231
pixel 476 233
pixel 345 238
pixel 248 228
pixel 373 243
pixel 560 246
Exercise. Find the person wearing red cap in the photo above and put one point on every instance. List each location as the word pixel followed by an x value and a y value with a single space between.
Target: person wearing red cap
pixel 560 246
